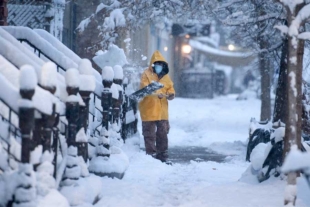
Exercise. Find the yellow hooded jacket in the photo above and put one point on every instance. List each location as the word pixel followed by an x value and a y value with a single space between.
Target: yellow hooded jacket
pixel 151 107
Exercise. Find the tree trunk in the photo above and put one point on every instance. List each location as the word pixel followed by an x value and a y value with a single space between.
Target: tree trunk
pixel 280 106
pixel 293 125
pixel 300 56
pixel 265 87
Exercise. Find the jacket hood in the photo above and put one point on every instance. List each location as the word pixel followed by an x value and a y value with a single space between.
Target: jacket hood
pixel 157 56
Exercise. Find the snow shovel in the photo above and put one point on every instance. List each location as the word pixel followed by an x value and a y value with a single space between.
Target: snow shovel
pixel 147 90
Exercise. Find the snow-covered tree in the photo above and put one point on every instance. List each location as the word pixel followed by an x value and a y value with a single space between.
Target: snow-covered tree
pixel 252 25
pixel 113 18
pixel 297 12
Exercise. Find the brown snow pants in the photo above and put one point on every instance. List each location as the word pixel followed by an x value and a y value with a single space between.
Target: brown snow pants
pixel 156 138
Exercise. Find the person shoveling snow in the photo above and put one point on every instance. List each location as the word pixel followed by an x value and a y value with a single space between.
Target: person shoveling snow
pixel 154 108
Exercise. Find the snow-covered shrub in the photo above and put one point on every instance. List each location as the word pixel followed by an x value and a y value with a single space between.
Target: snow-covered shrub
pixel 44 175
pixel 73 169
pixel 116 139
pixel 83 166
pixel 92 146
pixel 111 57
pixel 25 192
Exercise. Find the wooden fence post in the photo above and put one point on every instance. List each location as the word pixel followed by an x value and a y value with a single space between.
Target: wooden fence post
pixel 87 86
pixel 25 191
pixel 106 103
pixel 26 125
pixel 124 128
pixel 83 122
pixel 48 81
pixel 28 82
pixel 73 169
pixel 72 115
pixel 3 12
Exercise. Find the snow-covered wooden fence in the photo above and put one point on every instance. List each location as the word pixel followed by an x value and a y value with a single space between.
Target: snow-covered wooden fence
pixel 70 113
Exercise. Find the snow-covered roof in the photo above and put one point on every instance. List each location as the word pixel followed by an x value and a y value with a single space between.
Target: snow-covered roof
pixel 206 40
pixel 234 59
pixel 32 16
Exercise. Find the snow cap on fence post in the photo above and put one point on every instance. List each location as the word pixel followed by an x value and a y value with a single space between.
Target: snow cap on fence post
pixel 28 82
pixel 118 72
pixel 27 78
pixel 85 67
pixel 87 79
pixel 107 76
pixel 72 78
pixel 48 77
pixel 107 73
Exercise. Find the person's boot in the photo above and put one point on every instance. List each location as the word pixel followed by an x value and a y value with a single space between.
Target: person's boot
pixel 163 156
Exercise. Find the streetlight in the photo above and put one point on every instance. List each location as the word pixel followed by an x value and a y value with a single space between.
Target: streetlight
pixel 186 49
pixel 231 47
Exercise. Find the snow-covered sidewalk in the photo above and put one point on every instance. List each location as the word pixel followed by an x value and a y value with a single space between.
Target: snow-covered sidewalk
pixel 220 124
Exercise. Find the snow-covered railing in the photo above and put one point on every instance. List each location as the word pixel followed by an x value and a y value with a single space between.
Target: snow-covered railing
pixel 8 123
pixel 41 108
pixel 53 51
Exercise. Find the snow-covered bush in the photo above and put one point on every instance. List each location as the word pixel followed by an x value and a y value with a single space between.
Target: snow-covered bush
pixel 73 169
pixel 44 175
pixel 111 57
pixel 25 192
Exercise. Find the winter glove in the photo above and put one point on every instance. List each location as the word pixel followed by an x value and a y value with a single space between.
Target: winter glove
pixel 160 96
pixel 170 96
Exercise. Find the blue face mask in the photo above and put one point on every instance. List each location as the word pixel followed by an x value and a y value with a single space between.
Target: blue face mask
pixel 158 68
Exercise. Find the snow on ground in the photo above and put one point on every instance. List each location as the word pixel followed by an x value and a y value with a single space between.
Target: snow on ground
pixel 220 124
